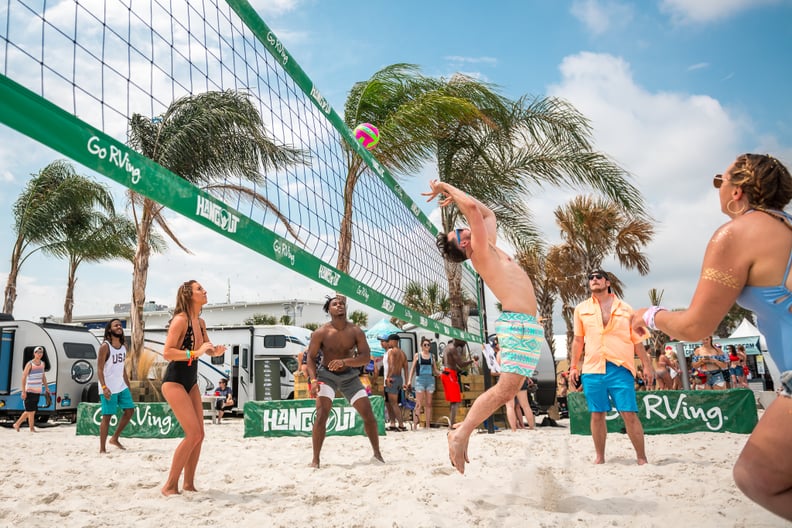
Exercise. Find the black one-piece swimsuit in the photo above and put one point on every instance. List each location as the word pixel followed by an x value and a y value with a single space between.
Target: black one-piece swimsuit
pixel 180 371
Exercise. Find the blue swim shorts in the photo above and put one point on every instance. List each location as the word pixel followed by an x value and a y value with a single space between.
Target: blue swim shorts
pixel 121 399
pixel 616 386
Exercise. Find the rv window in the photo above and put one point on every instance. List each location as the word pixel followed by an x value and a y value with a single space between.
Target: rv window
pixel 291 363
pixel 79 350
pixel 274 341
pixel 218 360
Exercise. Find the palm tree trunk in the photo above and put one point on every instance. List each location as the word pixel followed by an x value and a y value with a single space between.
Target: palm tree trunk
pixel 68 303
pixel 13 273
pixel 454 274
pixel 568 312
pixel 345 236
pixel 140 266
pixel 546 302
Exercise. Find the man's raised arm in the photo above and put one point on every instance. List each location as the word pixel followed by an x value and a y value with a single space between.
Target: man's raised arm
pixel 473 210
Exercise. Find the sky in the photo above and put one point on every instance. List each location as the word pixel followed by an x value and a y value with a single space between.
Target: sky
pixel 674 91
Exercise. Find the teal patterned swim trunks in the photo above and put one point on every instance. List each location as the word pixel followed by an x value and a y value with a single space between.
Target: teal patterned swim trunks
pixel 520 337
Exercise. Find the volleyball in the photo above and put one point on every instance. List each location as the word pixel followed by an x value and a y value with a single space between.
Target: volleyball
pixel 367 135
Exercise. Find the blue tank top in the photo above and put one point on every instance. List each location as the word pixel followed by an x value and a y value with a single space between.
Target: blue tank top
pixel 772 305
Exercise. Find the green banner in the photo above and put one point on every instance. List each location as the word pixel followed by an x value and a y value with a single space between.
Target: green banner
pixel 296 418
pixel 150 420
pixel 676 412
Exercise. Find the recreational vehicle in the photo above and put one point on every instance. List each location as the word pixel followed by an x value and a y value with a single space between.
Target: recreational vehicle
pixel 259 361
pixel 70 354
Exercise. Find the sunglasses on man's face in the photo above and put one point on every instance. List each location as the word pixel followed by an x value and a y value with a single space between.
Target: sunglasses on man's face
pixel 458 232
pixel 595 276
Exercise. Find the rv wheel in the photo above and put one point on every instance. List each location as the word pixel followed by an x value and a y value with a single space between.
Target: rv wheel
pixel 90 393
pixel 42 418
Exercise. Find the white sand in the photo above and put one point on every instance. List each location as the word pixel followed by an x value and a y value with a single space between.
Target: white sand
pixel 528 478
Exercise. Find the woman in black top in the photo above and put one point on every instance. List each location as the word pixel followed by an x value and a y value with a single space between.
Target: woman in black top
pixel 186 342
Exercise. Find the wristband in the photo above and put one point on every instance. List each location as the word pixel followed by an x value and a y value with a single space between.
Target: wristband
pixel 649 316
pixel 104 387
pixel 189 357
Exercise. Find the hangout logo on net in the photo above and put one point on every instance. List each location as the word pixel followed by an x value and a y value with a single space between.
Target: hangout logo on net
pixel 219 216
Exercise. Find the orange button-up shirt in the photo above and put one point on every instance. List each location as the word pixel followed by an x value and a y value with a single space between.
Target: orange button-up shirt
pixel 614 342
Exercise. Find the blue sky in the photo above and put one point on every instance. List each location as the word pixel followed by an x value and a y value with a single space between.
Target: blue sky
pixel 674 89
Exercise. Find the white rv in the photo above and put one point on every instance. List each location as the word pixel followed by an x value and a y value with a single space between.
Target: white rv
pixel 70 354
pixel 259 361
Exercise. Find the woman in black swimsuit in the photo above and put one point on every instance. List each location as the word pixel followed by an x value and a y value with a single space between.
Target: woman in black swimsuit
pixel 186 342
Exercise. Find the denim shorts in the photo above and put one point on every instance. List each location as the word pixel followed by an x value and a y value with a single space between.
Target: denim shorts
pixel 424 383
pixel 616 386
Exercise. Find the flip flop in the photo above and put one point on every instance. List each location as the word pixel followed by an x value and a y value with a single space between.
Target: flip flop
pixel 401 429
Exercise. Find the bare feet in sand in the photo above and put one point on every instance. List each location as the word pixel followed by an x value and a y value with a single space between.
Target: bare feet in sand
pixel 16 427
pixel 191 487
pixel 314 464
pixel 642 461
pixel 169 491
pixel 457 451
pixel 377 459
pixel 599 460
pixel 116 443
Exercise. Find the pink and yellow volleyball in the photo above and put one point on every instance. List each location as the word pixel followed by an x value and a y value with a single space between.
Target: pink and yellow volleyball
pixel 367 135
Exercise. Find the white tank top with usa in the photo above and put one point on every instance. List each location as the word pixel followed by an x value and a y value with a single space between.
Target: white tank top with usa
pixel 114 369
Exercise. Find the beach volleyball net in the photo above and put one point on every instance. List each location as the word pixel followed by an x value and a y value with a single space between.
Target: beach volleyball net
pixel 74 72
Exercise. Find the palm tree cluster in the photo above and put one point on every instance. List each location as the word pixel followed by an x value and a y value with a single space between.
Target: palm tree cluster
pixel 68 216
pixel 500 150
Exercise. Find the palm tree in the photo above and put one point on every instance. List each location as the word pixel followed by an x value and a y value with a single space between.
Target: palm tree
pixel 91 235
pixel 406 107
pixel 520 146
pixel 202 138
pixel 261 319
pixel 533 259
pixel 656 337
pixel 733 319
pixel 38 214
pixel 592 230
pixel 359 317
pixel 428 301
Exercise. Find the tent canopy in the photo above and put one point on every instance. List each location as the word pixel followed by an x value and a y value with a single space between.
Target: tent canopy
pixel 383 326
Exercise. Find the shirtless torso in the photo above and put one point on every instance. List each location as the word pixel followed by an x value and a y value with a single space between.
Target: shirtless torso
pixel 507 280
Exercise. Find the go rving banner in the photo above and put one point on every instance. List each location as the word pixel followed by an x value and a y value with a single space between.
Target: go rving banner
pixel 149 420
pixel 674 412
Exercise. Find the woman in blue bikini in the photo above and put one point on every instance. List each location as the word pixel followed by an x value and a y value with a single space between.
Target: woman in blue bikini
pixel 748 260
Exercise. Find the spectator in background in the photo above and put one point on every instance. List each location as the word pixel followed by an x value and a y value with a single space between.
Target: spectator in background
pixel 225 399
pixel 33 379
pixel 424 369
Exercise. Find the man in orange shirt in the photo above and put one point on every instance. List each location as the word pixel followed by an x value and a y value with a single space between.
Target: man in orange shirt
pixel 602 324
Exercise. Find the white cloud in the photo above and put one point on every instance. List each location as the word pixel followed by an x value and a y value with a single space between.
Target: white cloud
pixel 698 66
pixel 702 11
pixel 274 7
pixel 672 143
pixel 490 61
pixel 601 16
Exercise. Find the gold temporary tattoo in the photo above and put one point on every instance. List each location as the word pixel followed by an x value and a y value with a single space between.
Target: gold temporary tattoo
pixel 721 277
